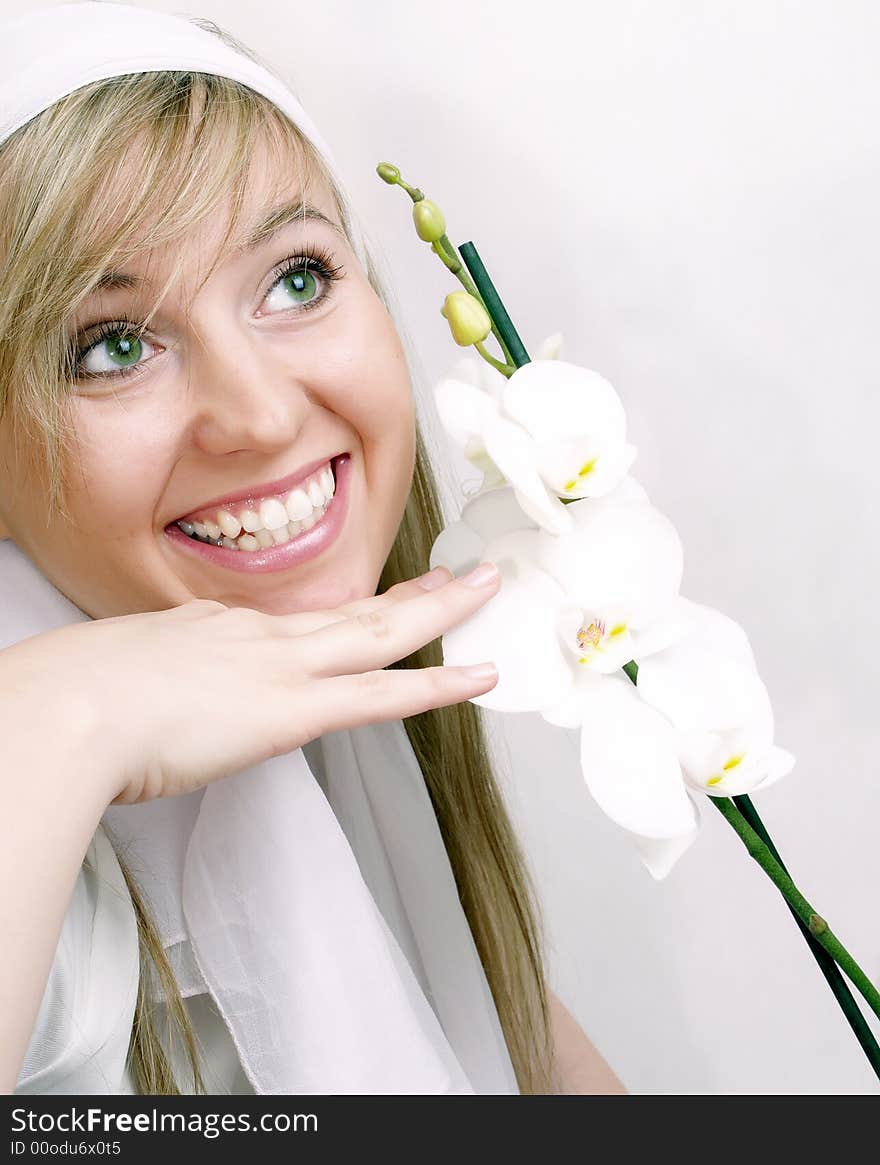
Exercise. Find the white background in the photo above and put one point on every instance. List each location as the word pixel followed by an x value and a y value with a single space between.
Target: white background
pixel 689 192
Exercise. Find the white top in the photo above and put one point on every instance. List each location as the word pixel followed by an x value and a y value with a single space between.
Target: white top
pixel 312 897
pixel 81 1036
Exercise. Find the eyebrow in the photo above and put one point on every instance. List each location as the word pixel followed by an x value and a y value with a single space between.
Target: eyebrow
pixel 270 225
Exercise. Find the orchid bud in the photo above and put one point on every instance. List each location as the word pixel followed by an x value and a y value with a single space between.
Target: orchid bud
pixel 388 173
pixel 429 220
pixel 468 320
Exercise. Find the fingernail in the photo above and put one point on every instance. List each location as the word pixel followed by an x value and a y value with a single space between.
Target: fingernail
pixel 485 573
pixel 481 671
pixel 434 578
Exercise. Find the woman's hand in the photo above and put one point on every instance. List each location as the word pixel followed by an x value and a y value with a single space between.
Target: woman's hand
pixel 172 700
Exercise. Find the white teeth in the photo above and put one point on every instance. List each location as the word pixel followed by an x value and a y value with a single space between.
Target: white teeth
pixel 273 523
pixel 273 515
pixel 228 523
pixel 250 521
pixel 316 494
pixel 298 505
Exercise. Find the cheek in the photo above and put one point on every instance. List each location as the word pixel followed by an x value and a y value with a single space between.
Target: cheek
pixel 375 393
pixel 117 468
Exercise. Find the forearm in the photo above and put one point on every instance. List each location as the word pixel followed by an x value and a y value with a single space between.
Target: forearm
pixel 51 802
pixel 580 1068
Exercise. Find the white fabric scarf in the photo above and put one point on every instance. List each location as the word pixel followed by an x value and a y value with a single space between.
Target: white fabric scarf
pixel 316 905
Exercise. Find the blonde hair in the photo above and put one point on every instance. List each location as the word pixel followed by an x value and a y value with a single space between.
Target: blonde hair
pixel 194 135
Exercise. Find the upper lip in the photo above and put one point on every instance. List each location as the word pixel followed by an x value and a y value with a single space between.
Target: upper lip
pixel 252 492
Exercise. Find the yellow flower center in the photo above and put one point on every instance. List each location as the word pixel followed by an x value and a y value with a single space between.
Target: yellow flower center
pixel 727 766
pixel 586 468
pixel 590 638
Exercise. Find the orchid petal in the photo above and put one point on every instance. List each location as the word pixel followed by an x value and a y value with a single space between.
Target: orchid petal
pixel 594 643
pixel 546 510
pixel 464 410
pixel 630 764
pixel 515 629
pixel 674 624
pixel 513 452
pixel 625 554
pixel 550 348
pixel 659 854
pixel 554 399
pixel 778 763
pixel 480 374
pixel 495 512
pixel 582 467
pixel 699 690
pixel 458 547
pixel 717 631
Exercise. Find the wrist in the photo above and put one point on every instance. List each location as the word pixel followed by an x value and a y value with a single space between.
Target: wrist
pixel 55 742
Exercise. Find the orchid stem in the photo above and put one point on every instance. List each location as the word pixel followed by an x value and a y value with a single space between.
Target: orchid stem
pixel 827 965
pixel 450 258
pixel 511 343
pixel 826 962
pixel 504 369
pixel 815 924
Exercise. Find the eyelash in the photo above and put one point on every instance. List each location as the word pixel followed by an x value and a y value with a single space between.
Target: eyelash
pixel 311 258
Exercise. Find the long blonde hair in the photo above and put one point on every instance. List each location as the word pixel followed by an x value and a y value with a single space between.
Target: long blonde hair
pixel 194 135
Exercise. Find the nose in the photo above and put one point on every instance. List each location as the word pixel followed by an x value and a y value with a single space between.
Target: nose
pixel 244 396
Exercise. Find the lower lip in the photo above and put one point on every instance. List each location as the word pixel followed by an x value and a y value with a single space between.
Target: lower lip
pixel 304 546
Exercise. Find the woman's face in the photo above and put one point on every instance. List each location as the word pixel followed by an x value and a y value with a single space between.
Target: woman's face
pixel 258 377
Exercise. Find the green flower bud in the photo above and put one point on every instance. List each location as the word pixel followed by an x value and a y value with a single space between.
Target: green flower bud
pixel 468 320
pixel 429 220
pixel 388 173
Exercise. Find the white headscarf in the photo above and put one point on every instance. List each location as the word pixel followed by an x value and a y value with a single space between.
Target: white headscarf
pixel 315 904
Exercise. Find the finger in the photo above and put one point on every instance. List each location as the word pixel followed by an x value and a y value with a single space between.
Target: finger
pixel 409 588
pixel 346 701
pixel 376 638
pixel 303 622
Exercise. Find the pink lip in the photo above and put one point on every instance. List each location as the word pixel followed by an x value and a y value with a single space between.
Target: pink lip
pixel 282 485
pixel 300 549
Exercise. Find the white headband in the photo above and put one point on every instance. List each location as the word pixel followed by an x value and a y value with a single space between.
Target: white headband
pixel 93 41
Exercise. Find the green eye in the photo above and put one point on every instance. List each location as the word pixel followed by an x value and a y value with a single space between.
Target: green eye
pixel 302 285
pixel 116 351
pixel 124 350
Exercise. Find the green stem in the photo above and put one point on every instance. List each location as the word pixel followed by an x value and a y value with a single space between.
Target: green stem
pixel 816 925
pixel 511 342
pixel 450 258
pixel 504 369
pixel 827 965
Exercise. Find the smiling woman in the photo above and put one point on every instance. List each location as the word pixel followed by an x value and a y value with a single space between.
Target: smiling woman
pixel 183 388
pixel 208 447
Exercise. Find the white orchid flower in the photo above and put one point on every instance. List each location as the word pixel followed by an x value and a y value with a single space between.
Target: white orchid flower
pixel 552 430
pixel 592 593
pixel 629 751
pixel 570 612
pixel 708 688
pixel 630 765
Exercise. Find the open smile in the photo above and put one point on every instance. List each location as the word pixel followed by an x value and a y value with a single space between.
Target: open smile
pixel 275 533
